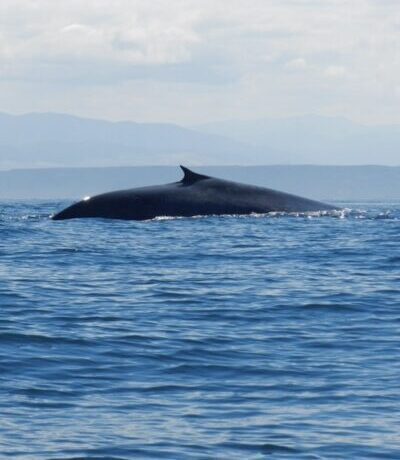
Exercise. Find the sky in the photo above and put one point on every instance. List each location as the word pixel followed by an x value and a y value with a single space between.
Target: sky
pixel 189 62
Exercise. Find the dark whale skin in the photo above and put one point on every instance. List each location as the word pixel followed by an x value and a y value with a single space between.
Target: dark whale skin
pixel 194 195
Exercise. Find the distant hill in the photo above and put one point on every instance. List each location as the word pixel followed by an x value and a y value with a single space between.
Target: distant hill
pixel 55 140
pixel 40 140
pixel 315 139
pixel 332 183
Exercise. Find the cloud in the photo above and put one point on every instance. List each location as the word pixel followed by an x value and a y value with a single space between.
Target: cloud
pixel 138 32
pixel 285 55
pixel 335 71
pixel 119 32
pixel 296 64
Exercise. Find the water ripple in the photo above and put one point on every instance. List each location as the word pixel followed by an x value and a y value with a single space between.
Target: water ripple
pixel 266 336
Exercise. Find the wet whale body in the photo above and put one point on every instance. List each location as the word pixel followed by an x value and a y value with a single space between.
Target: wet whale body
pixel 195 195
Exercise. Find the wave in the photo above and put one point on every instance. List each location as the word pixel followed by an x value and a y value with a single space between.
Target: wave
pixel 43 211
pixel 345 213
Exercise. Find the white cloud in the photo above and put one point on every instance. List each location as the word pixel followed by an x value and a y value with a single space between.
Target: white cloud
pixel 276 57
pixel 130 32
pixel 296 64
pixel 335 71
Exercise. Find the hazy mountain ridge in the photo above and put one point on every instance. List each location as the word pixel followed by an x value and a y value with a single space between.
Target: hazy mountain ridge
pixel 51 140
pixel 315 139
pixel 57 140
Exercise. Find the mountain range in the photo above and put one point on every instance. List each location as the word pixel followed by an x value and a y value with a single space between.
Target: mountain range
pixel 315 139
pixel 57 140
pixel 40 140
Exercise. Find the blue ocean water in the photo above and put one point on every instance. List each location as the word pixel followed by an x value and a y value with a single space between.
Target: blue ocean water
pixel 201 338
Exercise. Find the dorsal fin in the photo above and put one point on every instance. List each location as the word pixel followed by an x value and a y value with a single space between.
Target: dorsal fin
pixel 191 177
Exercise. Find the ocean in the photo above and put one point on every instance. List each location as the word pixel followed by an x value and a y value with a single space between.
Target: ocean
pixel 258 337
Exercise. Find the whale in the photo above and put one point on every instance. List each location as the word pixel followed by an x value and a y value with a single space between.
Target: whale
pixel 194 195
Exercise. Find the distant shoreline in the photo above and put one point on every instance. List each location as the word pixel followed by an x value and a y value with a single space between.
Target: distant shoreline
pixel 367 182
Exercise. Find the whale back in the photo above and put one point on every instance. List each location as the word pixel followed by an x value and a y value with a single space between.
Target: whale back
pixel 195 194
